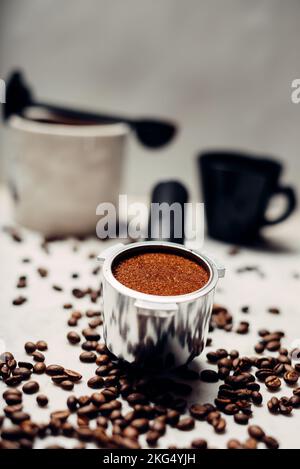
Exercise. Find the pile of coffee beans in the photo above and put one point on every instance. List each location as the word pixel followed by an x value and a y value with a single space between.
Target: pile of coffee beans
pixel 155 402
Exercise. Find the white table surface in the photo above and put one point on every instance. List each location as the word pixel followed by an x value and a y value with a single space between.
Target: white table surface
pixel 43 317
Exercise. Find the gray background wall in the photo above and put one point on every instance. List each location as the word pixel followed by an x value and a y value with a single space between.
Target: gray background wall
pixel 223 69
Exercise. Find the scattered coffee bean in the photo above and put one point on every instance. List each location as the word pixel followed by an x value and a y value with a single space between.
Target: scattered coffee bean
pixel 291 377
pixel 273 382
pixel 20 300
pixel 38 356
pixel 270 442
pixel 67 385
pixel 31 387
pixel 209 376
pixel 30 347
pixel 53 370
pixel 43 272
pixel 185 424
pixel 41 345
pixel 39 368
pixel 95 382
pixel 73 337
pixel 42 400
pixel 87 357
pixel 256 432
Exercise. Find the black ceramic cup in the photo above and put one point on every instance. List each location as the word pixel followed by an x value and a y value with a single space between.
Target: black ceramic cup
pixel 237 188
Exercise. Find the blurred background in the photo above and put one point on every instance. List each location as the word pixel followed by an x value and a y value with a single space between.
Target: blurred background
pixel 223 70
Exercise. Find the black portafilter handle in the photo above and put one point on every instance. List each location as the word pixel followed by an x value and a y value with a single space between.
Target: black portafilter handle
pixel 166 222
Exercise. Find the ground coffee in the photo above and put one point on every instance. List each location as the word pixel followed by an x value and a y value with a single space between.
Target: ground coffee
pixel 161 273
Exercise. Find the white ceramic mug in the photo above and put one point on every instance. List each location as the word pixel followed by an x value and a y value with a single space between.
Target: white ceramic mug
pixel 59 173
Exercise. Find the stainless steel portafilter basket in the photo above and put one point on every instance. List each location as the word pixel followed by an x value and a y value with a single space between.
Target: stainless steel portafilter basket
pixel 155 331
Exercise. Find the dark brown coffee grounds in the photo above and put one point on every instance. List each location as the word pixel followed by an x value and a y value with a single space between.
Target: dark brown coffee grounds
pixel 161 273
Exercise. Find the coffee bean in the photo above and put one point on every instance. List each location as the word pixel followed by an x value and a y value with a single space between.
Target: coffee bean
pixel 243 327
pixel 199 443
pixel 73 337
pixel 90 334
pixel 212 357
pixel 58 379
pixel 285 409
pixel 95 323
pixel 72 375
pixel 263 374
pixel 20 300
pixel 72 322
pixel 43 272
pixel 30 347
pixel 89 345
pixel 209 376
pixel 273 345
pixel 18 417
pixel 273 382
pixel 241 418
pixel 256 397
pixel 24 373
pixel 84 434
pixel 152 437
pixel 57 288
pixel 38 356
pixel 42 400
pixel 274 310
pixel 90 411
pixel 136 398
pixel 72 403
pixel 220 425
pixel 263 332
pixel 41 345
pixel 103 360
pixel 295 401
pixel 53 370
pixel 234 444
pixel 256 432
pixel 259 347
pixel 95 382
pixel 14 399
pixel 31 387
pixel 39 368
pixel 185 424
pixel 270 442
pixel 87 357
pixel 250 443
pixel 291 377
pixel 67 385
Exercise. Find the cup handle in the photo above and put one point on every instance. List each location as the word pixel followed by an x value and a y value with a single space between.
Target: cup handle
pixel 290 195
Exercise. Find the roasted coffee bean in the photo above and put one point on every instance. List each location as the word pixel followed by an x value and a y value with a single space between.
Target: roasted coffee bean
pixel 212 357
pixel 27 365
pixel 42 400
pixel 291 377
pixel 223 372
pixel 103 360
pixel 90 411
pixel 55 370
pixel 19 301
pixel 274 310
pixel 84 433
pixel 243 327
pixel 108 407
pixel 24 373
pixel 59 378
pixel 89 345
pixel 72 322
pixel 67 306
pixel 43 272
pixel 209 376
pixel 72 375
pixel 250 443
pixel 273 382
pixel 72 403
pixel 102 422
pixel 78 293
pixel 96 382
pixel 141 425
pixel 73 337
pixel 273 405
pixel 263 374
pixel 67 385
pixel 18 417
pixel 57 288
pixel 285 409
pixel 273 345
pixel 256 397
pixel 270 442
pixel 14 399
pixel 259 347
pixel 30 347
pixel 241 418
pixel 294 401
pixel 256 432
pixel 22 282
pixel 98 398
pixel 136 398
pixel 152 437
pixel 185 424
pixel 231 409
pixel 234 444
pixel 101 348
pixel 90 334
pixel 199 443
pixel 95 323
pixel 38 356
pixel 10 409
pixel 41 345
pixel 87 357
pixel 31 387
pixel 158 426
pixel 219 425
